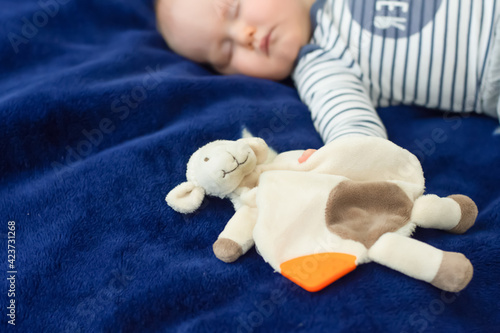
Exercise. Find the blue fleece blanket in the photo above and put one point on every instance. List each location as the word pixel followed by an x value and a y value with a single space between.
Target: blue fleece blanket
pixel 97 121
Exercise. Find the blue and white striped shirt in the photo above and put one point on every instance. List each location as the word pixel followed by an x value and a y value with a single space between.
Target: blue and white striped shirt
pixel 372 53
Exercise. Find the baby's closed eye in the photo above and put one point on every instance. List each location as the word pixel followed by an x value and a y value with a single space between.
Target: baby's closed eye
pixel 226 51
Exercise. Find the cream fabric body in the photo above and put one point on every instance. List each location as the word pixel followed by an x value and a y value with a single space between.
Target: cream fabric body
pixel 291 221
pixel 286 199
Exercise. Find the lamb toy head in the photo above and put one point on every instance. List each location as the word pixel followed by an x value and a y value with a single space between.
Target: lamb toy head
pixel 216 169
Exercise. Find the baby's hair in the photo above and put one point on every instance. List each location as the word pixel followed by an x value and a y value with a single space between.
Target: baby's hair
pixel 163 28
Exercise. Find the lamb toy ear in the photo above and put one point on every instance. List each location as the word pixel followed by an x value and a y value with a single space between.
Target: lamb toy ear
pixel 259 147
pixel 185 198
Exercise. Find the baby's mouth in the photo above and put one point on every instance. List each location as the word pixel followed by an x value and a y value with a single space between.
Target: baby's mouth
pixel 264 42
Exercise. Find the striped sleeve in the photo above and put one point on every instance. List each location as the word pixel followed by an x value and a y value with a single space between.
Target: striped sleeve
pixel 336 97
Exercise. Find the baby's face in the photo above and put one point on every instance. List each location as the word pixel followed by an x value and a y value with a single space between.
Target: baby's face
pixel 260 38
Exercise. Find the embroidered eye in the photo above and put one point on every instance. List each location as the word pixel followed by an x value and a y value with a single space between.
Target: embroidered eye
pixel 206 159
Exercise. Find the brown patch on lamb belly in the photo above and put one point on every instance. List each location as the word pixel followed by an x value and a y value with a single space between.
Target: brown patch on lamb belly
pixel 364 211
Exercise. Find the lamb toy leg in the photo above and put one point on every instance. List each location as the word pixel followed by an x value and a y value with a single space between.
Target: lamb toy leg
pixel 237 237
pixel 455 213
pixel 448 271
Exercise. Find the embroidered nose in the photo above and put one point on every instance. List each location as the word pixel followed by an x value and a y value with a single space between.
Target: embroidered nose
pixel 238 163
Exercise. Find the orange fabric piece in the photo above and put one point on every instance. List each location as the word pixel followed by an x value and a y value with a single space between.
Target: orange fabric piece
pixel 306 155
pixel 316 271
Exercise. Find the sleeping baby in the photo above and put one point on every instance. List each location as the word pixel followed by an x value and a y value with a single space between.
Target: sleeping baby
pixel 348 57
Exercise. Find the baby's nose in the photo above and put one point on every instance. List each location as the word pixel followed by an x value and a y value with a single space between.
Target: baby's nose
pixel 248 37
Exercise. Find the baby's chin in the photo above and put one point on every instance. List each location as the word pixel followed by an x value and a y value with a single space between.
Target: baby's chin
pixel 277 67
pixel 276 70
pixel 278 75
pixel 274 73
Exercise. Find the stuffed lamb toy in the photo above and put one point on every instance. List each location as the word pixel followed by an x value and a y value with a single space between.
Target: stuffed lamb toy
pixel 316 215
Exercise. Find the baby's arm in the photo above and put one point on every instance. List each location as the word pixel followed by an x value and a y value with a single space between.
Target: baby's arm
pixel 339 104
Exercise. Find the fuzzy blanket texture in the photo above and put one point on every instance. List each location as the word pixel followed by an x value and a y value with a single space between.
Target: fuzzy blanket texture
pixel 97 121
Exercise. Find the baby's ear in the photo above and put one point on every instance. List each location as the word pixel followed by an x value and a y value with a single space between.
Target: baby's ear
pixel 185 198
pixel 259 147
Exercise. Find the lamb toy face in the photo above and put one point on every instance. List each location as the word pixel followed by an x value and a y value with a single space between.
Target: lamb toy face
pixel 315 216
pixel 217 169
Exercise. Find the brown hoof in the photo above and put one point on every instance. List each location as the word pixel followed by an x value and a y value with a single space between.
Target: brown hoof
pixel 227 250
pixel 469 213
pixel 455 272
